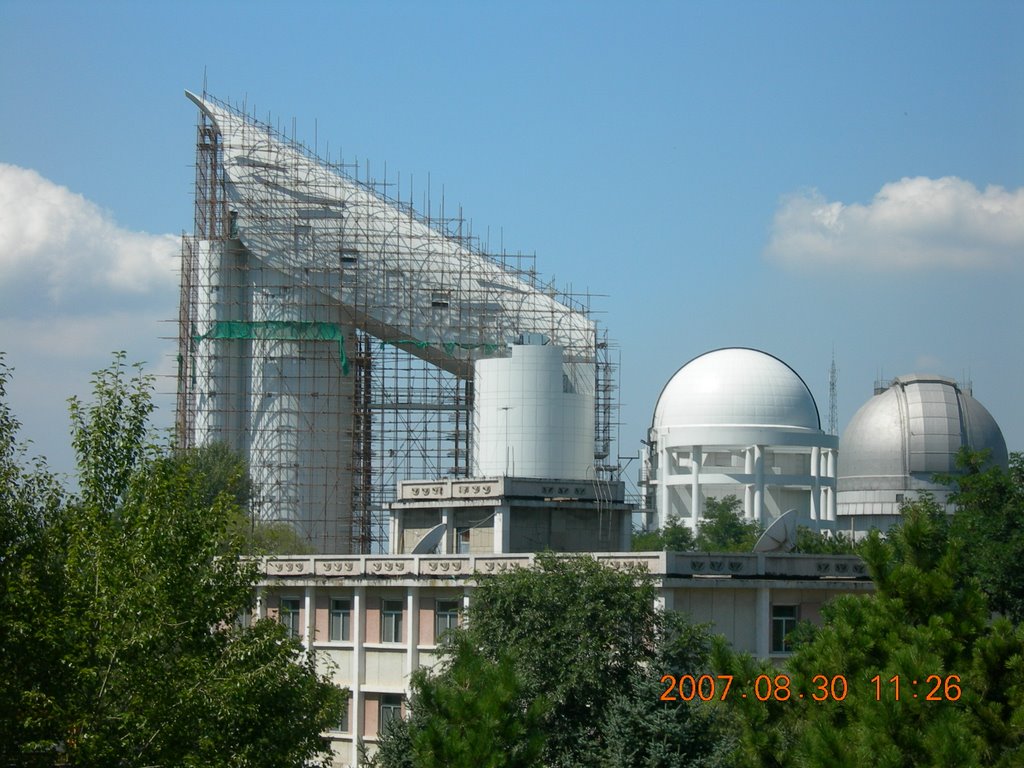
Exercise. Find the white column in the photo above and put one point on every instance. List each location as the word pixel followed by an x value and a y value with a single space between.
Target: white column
pixel 309 631
pixel 831 473
pixel 412 637
pixel 759 484
pixel 396 533
pixel 446 518
pixel 664 472
pixel 763 627
pixel 357 706
pixel 502 529
pixel 748 491
pixel 696 457
pixel 816 487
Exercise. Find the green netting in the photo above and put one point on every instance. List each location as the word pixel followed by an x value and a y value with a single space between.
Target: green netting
pixel 280 330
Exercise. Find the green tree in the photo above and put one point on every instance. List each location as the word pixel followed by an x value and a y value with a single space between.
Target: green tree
pixel 989 522
pixel 722 529
pixel 31 505
pixel 576 630
pixel 811 542
pixel 473 713
pixel 674 537
pixel 927 623
pixel 642 730
pixel 575 642
pixel 221 470
pixel 137 658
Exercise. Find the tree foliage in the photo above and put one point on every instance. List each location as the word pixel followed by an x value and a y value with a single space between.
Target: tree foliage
pixel 673 537
pixel 570 648
pixel 989 521
pixel 221 470
pixel 473 713
pixel 722 529
pixel 810 542
pixel 119 611
pixel 576 630
pixel 926 622
pixel 642 730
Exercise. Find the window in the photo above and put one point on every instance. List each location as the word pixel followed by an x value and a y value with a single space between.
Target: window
pixel 340 620
pixel 290 615
pixel 784 618
pixel 446 616
pixel 343 720
pixel 390 709
pixel 462 541
pixel 391 621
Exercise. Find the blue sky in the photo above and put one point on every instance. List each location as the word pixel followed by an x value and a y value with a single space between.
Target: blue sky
pixel 793 176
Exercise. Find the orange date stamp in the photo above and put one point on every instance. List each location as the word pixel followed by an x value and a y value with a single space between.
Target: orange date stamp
pixel 820 688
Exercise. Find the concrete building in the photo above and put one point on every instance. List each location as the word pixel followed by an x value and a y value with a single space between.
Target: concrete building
pixel 908 432
pixel 739 421
pixel 372 620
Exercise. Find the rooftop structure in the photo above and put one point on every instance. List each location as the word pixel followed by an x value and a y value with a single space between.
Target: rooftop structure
pixel 739 421
pixel 908 432
pixel 329 332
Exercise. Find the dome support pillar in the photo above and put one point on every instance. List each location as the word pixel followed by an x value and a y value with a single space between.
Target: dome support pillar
pixel 748 490
pixel 830 473
pixel 759 484
pixel 816 510
pixel 696 459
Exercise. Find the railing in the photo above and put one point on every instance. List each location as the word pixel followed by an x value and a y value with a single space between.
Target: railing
pixel 665 564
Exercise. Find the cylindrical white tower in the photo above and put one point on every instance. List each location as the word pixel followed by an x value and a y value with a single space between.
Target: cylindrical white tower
pixel 530 418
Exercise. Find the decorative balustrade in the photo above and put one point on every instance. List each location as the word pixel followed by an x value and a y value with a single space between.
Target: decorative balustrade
pixel 662 564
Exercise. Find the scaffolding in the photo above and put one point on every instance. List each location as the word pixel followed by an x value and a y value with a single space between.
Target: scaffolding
pixel 328 330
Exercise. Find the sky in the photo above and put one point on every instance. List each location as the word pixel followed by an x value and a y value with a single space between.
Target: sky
pixel 811 179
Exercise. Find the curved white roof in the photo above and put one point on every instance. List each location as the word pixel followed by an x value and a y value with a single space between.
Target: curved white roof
pixel 915 428
pixel 307 220
pixel 736 386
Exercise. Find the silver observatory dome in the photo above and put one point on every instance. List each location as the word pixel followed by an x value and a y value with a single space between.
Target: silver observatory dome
pixel 900 439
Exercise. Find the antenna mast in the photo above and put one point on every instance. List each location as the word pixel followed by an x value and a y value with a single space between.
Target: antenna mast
pixel 833 389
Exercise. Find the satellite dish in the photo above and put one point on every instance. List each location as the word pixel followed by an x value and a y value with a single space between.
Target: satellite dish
pixel 430 540
pixel 780 536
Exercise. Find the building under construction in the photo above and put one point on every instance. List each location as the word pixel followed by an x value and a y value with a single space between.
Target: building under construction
pixel 329 332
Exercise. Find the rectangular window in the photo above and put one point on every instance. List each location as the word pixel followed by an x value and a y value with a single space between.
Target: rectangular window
pixel 343 720
pixel 462 541
pixel 784 618
pixel 341 620
pixel 390 709
pixel 446 616
pixel 391 621
pixel 290 616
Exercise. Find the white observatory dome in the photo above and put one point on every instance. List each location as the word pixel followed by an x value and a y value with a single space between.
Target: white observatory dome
pixel 738 421
pixel 736 386
pixel 901 438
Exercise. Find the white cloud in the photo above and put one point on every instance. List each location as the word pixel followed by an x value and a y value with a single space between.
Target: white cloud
pixel 913 223
pixel 75 287
pixel 58 248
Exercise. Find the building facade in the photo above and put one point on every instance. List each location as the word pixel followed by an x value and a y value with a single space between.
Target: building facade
pixel 373 620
